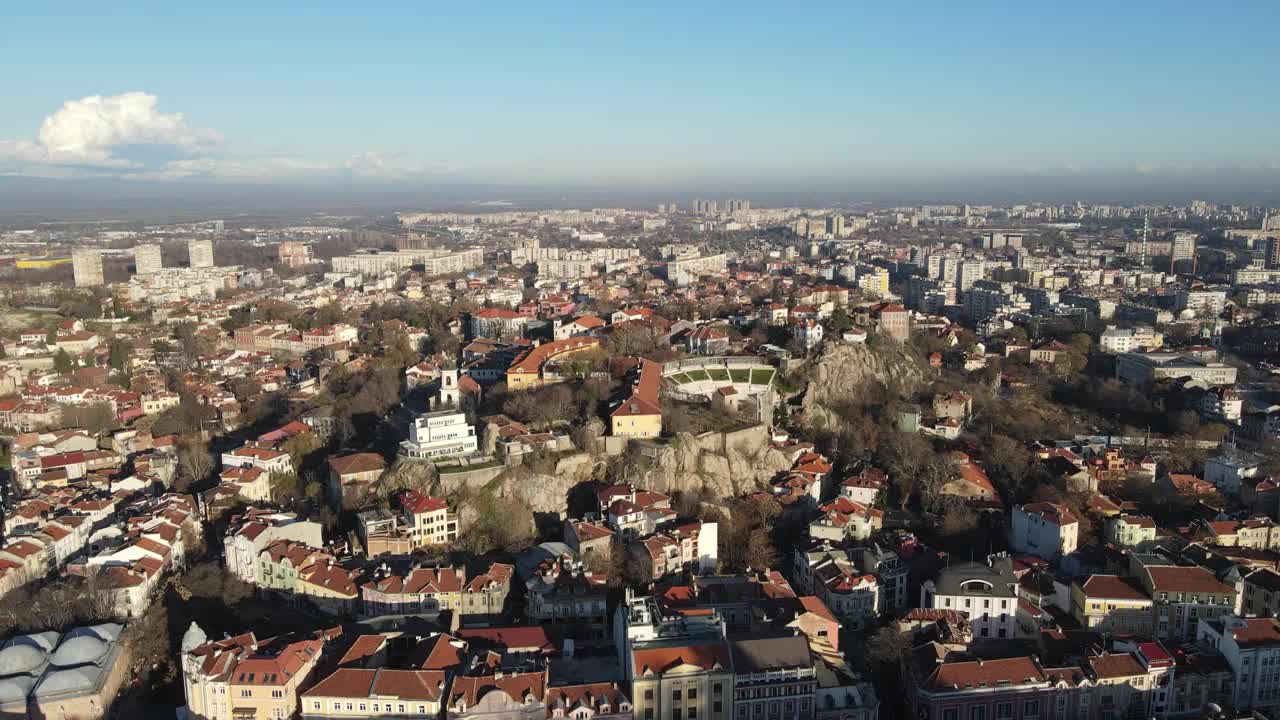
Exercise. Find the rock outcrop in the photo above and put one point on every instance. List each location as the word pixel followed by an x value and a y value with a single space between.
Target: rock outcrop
pixel 717 464
pixel 850 370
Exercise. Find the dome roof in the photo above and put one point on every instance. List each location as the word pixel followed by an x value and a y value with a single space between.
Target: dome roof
pixel 84 649
pixel 22 657
pixel 193 638
pixel 15 689
pixel 70 680
pixel 107 631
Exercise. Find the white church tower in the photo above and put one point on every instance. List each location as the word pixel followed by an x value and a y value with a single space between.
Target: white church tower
pixel 449 393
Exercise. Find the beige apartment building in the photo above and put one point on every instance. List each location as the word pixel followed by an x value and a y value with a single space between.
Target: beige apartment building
pixel 689 680
pixel 243 678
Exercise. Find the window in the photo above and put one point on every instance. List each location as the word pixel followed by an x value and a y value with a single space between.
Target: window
pixel 693 712
pixel 978 712
pixel 717 689
pixel 718 707
pixel 648 694
pixel 1005 710
pixel 277 693
pixel 648 714
pixel 742 712
pixel 246 693
pixel 951 714
pixel 1032 709
pixel 693 693
pixel 676 714
pixel 675 696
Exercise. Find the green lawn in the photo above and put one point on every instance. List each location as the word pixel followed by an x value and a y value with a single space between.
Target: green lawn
pixel 699 375
pixel 761 376
pixel 740 375
pixel 719 374
pixel 679 378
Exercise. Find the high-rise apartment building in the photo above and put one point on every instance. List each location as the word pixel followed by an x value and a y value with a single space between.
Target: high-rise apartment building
pixel 294 254
pixel 146 259
pixel 200 253
pixel 835 225
pixel 1182 251
pixel 968 272
pixel 86 267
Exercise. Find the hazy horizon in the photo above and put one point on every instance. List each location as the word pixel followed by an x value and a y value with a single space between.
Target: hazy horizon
pixel 1140 101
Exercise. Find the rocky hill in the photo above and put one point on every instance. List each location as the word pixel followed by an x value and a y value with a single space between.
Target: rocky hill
pixel 719 465
pixel 851 370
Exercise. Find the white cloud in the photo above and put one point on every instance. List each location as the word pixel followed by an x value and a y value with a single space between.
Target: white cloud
pixel 93 132
pixel 127 136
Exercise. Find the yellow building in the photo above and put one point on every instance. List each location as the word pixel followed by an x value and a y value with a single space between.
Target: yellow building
pixel 41 263
pixel 1112 604
pixel 243 678
pixel 329 587
pixel 530 369
pixel 639 415
pixel 376 693
pixel 672 682
pixel 1131 531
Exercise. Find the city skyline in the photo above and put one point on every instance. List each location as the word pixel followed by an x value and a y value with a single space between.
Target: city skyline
pixel 734 97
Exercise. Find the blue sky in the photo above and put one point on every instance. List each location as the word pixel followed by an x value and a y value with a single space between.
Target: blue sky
pixel 636 93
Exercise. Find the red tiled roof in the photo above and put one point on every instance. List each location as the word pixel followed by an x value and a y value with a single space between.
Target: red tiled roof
pixel 531 361
pixel 1171 579
pixel 1056 514
pixel 985 674
pixel 418 503
pixel 1113 587
pixel 706 656
pixel 357 463
pixel 471 689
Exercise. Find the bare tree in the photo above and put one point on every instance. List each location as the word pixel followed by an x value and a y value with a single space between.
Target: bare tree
pixel 888 645
pixel 194 460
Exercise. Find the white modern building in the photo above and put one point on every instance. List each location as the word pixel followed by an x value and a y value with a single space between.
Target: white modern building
pixel 1122 340
pixel 1251 647
pixel 986 593
pixel 86 267
pixel 440 434
pixel 147 260
pixel 200 253
pixel 1044 529
pixel 1228 470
